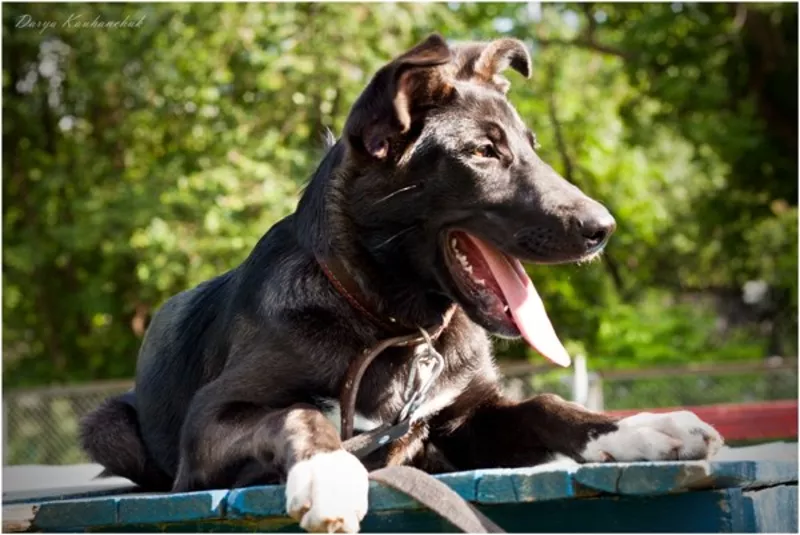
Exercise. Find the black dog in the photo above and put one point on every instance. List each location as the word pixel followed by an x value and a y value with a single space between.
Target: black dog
pixel 416 217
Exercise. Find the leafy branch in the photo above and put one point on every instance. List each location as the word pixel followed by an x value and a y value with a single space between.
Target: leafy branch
pixel 589 44
pixel 569 167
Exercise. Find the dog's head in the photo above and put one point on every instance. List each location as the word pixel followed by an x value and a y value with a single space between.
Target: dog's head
pixel 448 177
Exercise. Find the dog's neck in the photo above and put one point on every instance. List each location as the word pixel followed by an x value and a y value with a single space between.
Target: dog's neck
pixel 391 299
pixel 388 282
pixel 342 279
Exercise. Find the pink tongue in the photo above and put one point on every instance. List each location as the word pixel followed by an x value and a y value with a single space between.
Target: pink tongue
pixel 525 304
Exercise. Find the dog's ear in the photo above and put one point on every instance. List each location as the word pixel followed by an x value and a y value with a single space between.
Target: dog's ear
pixel 502 54
pixel 408 84
pixel 488 60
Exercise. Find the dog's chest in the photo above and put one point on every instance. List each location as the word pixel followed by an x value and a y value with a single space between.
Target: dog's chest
pixel 386 388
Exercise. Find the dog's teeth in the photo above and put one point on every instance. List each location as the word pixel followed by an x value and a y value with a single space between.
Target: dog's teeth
pixel 506 309
pixel 480 281
pixel 463 260
pixel 454 243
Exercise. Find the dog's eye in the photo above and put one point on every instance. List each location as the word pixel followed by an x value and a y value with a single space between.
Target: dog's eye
pixel 485 151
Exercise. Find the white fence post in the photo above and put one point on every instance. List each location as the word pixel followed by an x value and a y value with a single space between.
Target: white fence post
pixel 587 387
pixel 580 380
pixel 594 400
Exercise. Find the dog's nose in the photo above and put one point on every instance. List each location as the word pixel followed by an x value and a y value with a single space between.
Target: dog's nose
pixel 595 226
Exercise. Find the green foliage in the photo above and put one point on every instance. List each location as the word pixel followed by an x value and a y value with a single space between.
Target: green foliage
pixel 649 332
pixel 139 162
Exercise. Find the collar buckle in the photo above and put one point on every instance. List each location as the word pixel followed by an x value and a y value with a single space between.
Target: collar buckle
pixel 426 367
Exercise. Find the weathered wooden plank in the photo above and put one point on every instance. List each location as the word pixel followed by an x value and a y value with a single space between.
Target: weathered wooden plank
pixel 160 508
pixel 664 477
pixel 748 474
pixel 641 478
pixel 466 484
pixel 73 514
pixel 270 500
pixel 696 512
pixel 547 482
pixel 724 511
pixel 705 512
pixel 639 487
pixel 774 510
pixel 256 501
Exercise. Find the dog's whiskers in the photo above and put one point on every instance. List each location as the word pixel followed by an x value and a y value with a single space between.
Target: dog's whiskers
pixel 389 240
pixel 401 190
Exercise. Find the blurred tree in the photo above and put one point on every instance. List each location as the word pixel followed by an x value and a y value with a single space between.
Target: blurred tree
pixel 724 78
pixel 142 161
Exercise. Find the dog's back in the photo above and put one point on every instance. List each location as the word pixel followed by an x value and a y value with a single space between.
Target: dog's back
pixel 178 355
pixel 173 363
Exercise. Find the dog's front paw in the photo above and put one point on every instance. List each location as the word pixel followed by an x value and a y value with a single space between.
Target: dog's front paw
pixel 646 436
pixel 327 493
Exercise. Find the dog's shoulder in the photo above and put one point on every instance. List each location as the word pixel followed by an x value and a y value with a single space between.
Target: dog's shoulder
pixel 187 315
pixel 278 271
pixel 281 303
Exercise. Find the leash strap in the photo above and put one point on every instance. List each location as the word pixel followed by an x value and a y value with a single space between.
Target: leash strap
pixel 418 485
pixel 365 443
pixel 355 372
pixel 437 497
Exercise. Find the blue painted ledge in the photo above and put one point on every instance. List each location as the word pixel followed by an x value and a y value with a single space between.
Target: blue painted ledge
pixel 718 496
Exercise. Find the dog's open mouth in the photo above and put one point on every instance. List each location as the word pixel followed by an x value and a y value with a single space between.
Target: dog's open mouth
pixel 504 292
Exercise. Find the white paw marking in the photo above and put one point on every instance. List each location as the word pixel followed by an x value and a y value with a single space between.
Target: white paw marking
pixel 646 436
pixel 328 493
pixel 560 460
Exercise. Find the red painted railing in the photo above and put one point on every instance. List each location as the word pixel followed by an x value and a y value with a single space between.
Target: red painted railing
pixel 743 421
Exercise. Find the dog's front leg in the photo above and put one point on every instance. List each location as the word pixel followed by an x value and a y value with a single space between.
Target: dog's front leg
pixel 326 487
pixel 498 432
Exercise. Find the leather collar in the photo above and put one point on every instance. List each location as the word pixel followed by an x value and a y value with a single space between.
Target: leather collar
pixel 347 286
